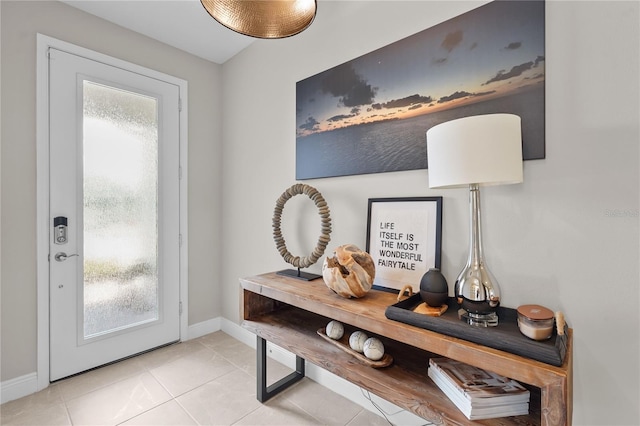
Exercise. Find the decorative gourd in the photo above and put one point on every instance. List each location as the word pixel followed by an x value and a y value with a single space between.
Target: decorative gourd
pixel 349 272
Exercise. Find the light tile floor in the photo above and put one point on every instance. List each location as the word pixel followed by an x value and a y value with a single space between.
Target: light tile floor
pixel 206 381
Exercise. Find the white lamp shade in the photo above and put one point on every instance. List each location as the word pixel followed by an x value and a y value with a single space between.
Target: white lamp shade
pixel 481 149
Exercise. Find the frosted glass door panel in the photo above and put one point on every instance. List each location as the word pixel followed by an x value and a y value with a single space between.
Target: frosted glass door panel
pixel 120 209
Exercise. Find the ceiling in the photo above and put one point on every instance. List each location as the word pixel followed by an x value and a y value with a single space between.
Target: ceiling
pixel 183 24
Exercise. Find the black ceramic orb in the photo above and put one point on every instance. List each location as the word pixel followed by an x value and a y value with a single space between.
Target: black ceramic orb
pixel 433 288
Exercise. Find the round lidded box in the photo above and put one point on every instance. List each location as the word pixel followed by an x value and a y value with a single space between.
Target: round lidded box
pixel 434 289
pixel 535 321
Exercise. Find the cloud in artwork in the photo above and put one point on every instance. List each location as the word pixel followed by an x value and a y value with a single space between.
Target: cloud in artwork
pixel 461 95
pixel 514 45
pixel 454 96
pixel 310 125
pixel 340 117
pixel 514 72
pixel 439 61
pixel 538 60
pixel 452 40
pixel 408 101
pixel 348 86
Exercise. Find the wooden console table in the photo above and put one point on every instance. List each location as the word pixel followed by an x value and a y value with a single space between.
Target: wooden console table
pixel 289 312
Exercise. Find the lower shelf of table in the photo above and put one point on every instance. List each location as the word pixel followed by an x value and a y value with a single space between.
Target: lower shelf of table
pixel 404 383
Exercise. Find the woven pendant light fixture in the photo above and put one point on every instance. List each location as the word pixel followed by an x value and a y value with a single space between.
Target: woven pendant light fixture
pixel 263 18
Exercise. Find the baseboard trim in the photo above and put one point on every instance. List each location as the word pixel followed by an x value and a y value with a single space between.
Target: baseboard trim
pixel 205 327
pixel 239 333
pixel 17 388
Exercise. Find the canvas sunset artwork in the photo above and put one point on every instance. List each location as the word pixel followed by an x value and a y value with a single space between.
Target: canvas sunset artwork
pixel 370 115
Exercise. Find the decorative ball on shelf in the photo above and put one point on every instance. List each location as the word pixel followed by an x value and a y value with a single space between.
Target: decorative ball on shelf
pixel 373 349
pixel 335 330
pixel 349 272
pixel 356 340
pixel 434 290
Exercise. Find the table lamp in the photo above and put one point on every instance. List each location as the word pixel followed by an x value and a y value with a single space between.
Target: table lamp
pixel 476 151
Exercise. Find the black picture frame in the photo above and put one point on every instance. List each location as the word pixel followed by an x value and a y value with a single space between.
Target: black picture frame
pixel 404 239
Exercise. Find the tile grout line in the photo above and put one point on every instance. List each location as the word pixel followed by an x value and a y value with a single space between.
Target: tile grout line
pixel 175 397
pixel 97 369
pixel 186 411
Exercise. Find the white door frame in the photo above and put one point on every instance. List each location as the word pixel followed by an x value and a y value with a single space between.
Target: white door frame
pixel 43 226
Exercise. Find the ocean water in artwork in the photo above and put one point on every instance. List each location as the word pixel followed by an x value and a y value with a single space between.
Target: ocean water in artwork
pixel 396 145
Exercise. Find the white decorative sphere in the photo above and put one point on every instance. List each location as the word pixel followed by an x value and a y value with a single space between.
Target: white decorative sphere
pixel 335 330
pixel 356 340
pixel 373 349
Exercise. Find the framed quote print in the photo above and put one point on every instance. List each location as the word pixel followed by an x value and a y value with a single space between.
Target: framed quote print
pixel 404 239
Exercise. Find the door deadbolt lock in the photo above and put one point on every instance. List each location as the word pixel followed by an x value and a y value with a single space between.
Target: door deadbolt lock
pixel 60 230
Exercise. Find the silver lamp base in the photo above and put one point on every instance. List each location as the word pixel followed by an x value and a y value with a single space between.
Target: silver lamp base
pixel 479 320
pixel 476 290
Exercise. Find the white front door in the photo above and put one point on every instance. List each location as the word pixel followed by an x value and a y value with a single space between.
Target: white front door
pixel 114 213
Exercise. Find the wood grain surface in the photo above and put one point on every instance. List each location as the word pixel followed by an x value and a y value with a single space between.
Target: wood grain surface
pixel 289 312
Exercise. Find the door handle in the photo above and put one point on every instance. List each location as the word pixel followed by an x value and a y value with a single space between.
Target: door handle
pixel 61 256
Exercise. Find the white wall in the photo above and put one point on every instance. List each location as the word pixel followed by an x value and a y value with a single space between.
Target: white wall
pixel 20 22
pixel 567 238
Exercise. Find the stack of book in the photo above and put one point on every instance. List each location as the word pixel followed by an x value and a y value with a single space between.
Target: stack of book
pixel 479 394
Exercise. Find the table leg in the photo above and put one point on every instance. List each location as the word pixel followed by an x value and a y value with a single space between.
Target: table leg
pixel 265 392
